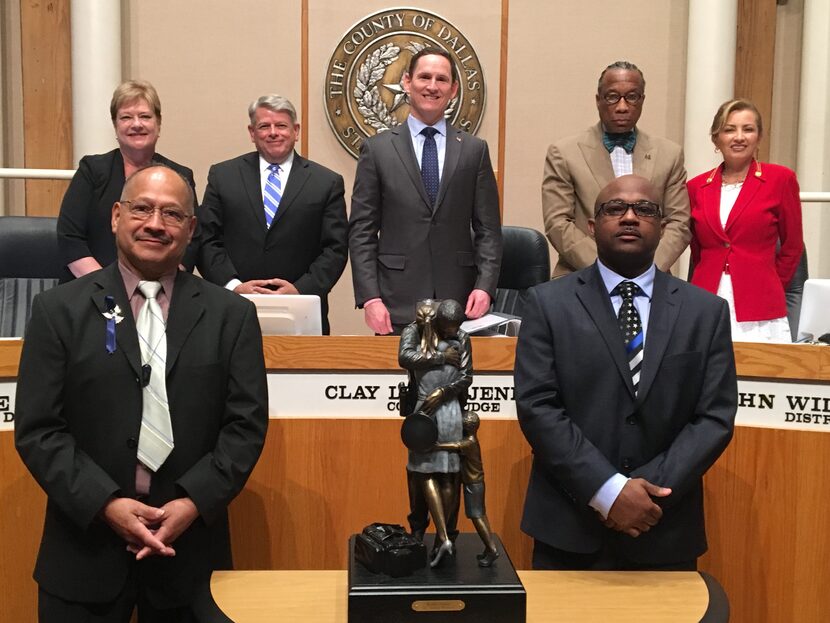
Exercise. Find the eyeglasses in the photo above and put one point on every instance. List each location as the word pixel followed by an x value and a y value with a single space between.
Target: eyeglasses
pixel 616 208
pixel 143 212
pixel 632 97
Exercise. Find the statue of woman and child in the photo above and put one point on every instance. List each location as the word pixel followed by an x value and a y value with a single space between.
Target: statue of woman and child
pixel 437 354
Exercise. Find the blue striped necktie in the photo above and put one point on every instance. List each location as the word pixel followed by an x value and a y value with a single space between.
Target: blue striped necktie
pixel 632 329
pixel 273 194
pixel 429 164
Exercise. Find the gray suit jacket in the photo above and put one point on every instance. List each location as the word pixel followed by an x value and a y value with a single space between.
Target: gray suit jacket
pixel 578 167
pixel 403 250
pixel 577 409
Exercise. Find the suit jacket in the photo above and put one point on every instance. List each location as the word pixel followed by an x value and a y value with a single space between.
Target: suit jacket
pixel 577 168
pixel 78 419
pixel 306 243
pixel 767 210
pixel 85 218
pixel 577 409
pixel 403 250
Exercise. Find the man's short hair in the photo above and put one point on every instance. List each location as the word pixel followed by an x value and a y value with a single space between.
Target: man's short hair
pixel 426 52
pixel 132 90
pixel 620 65
pixel 274 103
pixel 191 196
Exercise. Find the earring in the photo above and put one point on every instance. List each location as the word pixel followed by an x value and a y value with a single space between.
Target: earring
pixel 717 151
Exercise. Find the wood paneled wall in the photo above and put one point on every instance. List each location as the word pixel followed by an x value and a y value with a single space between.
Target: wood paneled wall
pixel 754 60
pixel 321 480
pixel 47 99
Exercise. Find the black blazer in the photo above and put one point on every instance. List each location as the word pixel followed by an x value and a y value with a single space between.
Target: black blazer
pixel 402 249
pixel 577 409
pixel 306 243
pixel 85 219
pixel 77 420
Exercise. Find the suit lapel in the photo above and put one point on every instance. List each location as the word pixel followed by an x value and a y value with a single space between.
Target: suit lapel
pixel 402 142
pixel 111 284
pixel 751 186
pixel 642 162
pixel 452 153
pixel 185 311
pixel 597 158
pixel 665 306
pixel 711 204
pixel 249 171
pixel 294 184
pixel 594 298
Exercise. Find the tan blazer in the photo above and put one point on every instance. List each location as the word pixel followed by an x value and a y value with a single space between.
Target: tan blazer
pixel 578 167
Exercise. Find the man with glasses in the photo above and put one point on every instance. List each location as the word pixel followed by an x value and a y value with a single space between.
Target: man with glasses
pixel 577 167
pixel 626 391
pixel 141 410
pixel 271 221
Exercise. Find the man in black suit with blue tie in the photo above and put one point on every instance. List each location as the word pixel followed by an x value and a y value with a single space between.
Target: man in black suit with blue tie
pixel 273 222
pixel 626 391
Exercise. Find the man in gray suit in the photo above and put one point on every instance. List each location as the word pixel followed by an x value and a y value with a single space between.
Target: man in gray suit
pixel 579 166
pixel 425 209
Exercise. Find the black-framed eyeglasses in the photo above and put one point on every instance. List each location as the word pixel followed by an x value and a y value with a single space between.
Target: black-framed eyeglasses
pixel 633 97
pixel 616 208
pixel 143 212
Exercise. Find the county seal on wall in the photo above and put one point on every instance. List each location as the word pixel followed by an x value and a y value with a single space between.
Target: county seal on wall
pixel 364 79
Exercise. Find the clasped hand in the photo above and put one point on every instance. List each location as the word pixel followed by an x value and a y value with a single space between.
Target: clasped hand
pixel 634 512
pixel 149 531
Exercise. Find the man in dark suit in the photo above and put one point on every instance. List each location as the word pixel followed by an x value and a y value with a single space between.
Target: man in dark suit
pixel 141 418
pixel 273 222
pixel 578 167
pixel 425 209
pixel 626 391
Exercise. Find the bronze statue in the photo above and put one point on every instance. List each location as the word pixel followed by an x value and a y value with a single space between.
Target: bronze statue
pixel 437 354
pixel 472 477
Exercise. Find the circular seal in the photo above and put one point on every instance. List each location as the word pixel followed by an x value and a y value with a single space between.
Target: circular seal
pixel 364 79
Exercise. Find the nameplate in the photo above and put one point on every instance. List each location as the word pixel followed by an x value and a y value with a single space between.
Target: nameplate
pixel 764 404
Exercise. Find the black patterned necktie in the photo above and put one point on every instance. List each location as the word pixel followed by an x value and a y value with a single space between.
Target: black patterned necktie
pixel 632 329
pixel 429 164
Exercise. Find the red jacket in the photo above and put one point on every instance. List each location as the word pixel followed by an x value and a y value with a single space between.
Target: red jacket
pixel 767 209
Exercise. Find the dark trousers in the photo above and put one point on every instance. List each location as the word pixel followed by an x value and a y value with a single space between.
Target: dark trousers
pixel 547 557
pixel 53 609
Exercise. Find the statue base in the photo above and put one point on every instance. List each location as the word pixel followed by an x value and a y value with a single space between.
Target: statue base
pixel 457 590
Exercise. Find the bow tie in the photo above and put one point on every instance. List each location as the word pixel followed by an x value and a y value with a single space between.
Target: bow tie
pixel 626 140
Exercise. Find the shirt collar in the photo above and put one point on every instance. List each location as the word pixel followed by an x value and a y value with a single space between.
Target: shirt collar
pixel 131 281
pixel 416 125
pixel 612 279
pixel 284 165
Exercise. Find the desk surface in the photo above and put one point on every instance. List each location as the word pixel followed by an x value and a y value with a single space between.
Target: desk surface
pixel 561 596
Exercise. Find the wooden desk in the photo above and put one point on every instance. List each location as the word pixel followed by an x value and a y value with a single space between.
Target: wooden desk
pixel 561 596
pixel 765 497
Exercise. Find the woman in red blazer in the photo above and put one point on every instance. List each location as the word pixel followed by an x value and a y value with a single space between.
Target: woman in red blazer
pixel 740 211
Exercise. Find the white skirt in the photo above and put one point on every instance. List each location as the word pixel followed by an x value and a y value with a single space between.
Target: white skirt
pixel 776 330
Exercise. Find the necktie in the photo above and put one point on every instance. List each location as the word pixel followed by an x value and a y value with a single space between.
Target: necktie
pixel 155 441
pixel 273 194
pixel 429 164
pixel 626 140
pixel 632 330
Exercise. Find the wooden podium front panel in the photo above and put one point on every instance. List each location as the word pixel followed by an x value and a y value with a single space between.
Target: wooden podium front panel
pixel 320 480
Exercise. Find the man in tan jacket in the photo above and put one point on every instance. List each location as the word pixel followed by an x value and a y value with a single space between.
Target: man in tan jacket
pixel 578 167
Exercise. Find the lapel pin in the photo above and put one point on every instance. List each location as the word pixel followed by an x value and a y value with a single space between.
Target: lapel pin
pixel 113 316
pixel 458 138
